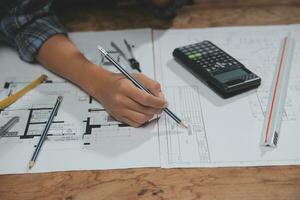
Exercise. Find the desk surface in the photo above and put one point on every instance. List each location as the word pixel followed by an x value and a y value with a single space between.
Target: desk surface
pixel 267 183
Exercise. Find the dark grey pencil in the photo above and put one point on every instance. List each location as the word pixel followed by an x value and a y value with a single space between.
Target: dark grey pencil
pixel 138 84
pixel 45 131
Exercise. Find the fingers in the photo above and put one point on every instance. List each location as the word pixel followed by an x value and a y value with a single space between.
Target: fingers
pixel 132 105
pixel 146 99
pixel 143 97
pixel 130 122
pixel 150 84
pixel 135 118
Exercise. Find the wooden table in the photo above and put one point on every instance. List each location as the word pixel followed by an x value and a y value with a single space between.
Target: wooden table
pixel 265 183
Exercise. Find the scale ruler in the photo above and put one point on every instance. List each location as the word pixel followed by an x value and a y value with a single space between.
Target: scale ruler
pixel 273 115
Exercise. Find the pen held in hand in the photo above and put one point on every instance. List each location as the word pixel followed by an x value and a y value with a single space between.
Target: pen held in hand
pixel 138 84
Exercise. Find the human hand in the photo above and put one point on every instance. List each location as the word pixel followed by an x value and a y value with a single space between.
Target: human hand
pixel 127 103
pixel 119 96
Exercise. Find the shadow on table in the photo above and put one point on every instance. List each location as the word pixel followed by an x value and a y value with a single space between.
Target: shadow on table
pixel 204 89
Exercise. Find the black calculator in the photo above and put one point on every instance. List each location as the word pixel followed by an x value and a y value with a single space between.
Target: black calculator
pixel 222 72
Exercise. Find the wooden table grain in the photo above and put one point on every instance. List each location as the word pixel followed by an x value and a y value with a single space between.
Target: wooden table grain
pixel 250 183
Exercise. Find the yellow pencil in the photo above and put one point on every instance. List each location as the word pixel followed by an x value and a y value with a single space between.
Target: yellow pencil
pixel 14 97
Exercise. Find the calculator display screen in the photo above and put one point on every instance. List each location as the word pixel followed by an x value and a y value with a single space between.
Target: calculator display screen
pixel 223 77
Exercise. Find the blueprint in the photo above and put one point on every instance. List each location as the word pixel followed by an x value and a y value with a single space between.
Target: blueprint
pixel 83 136
pixel 221 132
pixel 226 132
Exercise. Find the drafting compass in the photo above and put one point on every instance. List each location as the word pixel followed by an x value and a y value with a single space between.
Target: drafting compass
pixel 134 64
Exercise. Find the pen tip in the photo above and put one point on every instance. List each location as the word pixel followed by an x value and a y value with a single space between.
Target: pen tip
pixel 31 163
pixel 183 125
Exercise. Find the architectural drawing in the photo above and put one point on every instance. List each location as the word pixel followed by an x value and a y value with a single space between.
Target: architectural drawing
pixel 186 146
pixel 85 137
pixel 34 110
pixel 232 127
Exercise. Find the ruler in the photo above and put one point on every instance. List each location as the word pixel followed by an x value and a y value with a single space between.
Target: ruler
pixel 273 115
pixel 14 97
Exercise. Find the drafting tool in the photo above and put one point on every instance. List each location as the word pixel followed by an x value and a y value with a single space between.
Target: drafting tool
pixel 14 97
pixel 133 62
pixel 5 128
pixel 137 83
pixel 45 131
pixel 118 50
pixel 273 116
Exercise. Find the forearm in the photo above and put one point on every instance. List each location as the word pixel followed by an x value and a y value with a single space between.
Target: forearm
pixel 119 96
pixel 42 38
pixel 62 57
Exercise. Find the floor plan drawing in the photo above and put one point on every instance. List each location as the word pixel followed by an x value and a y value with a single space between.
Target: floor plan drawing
pixel 35 107
pixel 233 125
pixel 83 134
pixel 85 137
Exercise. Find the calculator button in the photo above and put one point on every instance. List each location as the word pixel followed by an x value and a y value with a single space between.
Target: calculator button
pixel 205 56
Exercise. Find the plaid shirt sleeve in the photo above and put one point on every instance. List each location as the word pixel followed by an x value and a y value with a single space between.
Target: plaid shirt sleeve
pixel 27 27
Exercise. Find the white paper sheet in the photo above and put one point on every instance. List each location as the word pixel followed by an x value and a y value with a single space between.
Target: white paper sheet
pixel 224 132
pixel 228 131
pixel 83 136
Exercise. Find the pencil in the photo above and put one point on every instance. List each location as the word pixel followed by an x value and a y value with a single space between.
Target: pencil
pixel 14 97
pixel 45 131
pixel 138 84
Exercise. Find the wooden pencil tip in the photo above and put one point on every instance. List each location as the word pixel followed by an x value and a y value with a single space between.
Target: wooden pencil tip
pixel 183 125
pixel 31 163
